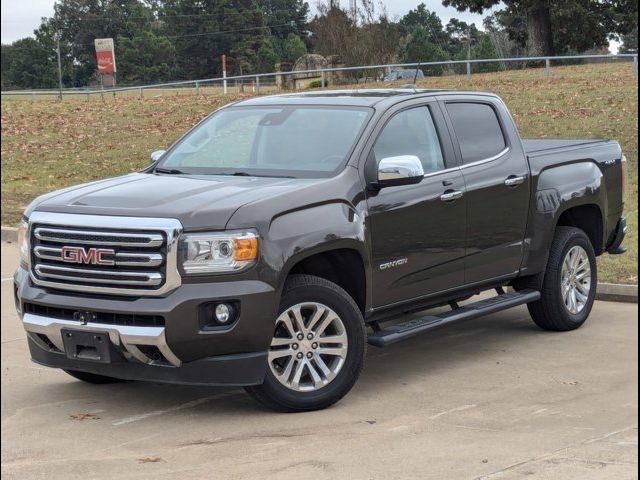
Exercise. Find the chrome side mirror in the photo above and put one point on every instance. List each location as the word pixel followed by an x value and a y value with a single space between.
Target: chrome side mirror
pixel 400 170
pixel 157 155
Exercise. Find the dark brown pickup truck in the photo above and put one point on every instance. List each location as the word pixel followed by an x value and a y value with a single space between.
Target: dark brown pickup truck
pixel 282 234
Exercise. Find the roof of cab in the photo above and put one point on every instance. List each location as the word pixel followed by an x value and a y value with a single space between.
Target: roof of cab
pixel 354 98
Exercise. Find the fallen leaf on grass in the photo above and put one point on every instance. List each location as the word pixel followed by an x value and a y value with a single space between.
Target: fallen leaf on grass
pixel 149 460
pixel 83 416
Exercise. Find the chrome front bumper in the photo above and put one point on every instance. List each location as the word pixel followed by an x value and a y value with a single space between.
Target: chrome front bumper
pixel 128 338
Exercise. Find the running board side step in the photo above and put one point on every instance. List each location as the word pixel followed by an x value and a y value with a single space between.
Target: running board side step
pixel 418 326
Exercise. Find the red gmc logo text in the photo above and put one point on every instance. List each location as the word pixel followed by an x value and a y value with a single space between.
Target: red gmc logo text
pixel 92 256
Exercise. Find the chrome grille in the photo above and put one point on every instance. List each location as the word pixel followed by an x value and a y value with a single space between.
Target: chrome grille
pixel 87 237
pixel 121 259
pixel 139 260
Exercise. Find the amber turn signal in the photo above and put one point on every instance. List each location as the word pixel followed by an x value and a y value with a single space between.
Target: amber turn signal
pixel 245 248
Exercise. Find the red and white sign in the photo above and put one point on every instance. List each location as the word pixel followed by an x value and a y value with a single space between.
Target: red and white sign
pixel 105 55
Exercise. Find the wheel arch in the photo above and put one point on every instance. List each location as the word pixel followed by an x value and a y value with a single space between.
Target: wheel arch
pixel 588 218
pixel 343 264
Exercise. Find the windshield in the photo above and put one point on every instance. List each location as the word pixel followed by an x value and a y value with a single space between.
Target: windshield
pixel 295 141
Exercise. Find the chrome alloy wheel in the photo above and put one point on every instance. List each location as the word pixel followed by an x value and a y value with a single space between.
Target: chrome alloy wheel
pixel 575 279
pixel 309 347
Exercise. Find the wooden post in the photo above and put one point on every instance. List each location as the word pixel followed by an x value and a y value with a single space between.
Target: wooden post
pixel 224 73
pixel 59 68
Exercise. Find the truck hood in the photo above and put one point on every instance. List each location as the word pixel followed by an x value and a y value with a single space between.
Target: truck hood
pixel 199 202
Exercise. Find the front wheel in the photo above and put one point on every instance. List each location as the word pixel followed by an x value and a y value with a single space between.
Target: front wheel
pixel 569 286
pixel 318 347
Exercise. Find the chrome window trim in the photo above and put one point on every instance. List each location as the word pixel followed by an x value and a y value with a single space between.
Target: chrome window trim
pixel 502 153
pixel 127 336
pixel 171 227
pixel 440 172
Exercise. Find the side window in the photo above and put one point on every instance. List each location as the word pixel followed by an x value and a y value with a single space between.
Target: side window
pixel 411 132
pixel 478 130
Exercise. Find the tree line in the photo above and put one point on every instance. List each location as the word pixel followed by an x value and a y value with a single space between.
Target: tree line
pixel 162 40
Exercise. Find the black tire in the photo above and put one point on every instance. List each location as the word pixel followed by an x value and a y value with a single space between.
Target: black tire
pixel 307 288
pixel 550 312
pixel 92 377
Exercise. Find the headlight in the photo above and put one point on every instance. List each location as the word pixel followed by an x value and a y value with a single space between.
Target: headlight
pixel 218 252
pixel 23 243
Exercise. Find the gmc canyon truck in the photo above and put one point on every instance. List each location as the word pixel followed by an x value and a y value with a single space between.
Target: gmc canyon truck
pixel 282 234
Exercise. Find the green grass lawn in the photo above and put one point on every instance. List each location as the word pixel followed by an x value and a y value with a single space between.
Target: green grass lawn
pixel 48 144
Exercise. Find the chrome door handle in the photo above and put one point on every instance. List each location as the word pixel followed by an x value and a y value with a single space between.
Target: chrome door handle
pixel 450 196
pixel 514 181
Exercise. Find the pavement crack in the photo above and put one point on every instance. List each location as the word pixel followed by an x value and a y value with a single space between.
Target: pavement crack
pixel 553 453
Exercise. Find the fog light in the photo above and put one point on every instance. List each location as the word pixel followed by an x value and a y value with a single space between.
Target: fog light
pixel 223 313
pixel 218 315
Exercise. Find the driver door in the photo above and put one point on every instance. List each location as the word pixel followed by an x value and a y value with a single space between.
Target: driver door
pixel 418 232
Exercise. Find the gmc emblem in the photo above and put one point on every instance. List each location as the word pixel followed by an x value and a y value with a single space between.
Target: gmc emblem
pixel 91 256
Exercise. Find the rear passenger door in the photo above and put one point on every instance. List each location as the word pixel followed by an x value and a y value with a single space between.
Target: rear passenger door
pixel 417 231
pixel 496 175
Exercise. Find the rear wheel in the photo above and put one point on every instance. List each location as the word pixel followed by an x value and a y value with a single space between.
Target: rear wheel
pixel 569 286
pixel 318 347
pixel 92 377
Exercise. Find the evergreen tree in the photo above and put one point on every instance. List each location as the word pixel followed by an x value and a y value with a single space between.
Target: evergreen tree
pixel 203 30
pixel 285 17
pixel 630 42
pixel 79 22
pixel 145 58
pixel 292 48
pixel 28 64
pixel 485 48
pixel 418 48
pixel 268 55
pixel 422 17
pixel 548 28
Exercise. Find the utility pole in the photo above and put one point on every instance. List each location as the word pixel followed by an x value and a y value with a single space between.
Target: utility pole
pixel 59 67
pixel 468 53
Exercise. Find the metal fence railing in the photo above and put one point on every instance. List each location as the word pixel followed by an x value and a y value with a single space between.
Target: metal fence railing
pixel 279 79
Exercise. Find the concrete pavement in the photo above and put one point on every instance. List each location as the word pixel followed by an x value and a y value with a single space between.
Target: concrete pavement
pixel 494 398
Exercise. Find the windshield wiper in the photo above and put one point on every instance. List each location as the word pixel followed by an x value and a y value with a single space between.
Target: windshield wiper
pixel 170 171
pixel 246 174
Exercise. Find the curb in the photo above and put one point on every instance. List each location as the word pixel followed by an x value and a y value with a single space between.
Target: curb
pixel 609 292
pixel 9 234
pixel 612 292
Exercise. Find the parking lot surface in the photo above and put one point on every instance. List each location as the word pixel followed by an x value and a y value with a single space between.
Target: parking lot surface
pixel 494 398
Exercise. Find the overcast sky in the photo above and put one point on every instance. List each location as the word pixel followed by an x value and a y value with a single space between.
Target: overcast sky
pixel 21 17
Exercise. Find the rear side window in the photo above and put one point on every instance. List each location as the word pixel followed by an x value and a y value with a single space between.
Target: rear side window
pixel 478 130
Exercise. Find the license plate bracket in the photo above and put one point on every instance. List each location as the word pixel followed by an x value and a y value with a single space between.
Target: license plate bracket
pixel 86 345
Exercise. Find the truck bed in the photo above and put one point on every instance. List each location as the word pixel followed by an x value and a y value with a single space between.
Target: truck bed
pixel 542 146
